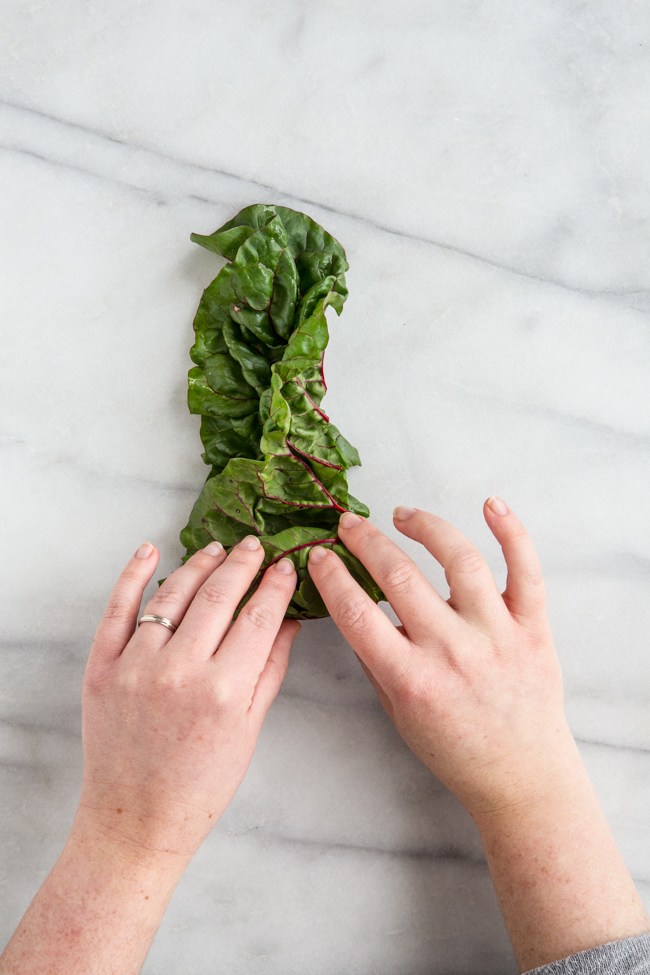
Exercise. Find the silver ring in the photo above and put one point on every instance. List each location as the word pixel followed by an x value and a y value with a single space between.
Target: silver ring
pixel 158 619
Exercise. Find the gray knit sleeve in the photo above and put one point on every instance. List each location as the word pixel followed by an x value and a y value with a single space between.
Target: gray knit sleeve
pixel 629 957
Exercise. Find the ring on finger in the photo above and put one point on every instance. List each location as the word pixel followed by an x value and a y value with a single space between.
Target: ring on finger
pixel 158 619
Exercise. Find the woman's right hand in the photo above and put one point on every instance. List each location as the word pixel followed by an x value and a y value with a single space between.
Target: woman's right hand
pixel 473 685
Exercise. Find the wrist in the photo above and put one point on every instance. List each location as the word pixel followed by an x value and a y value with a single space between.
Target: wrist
pixel 98 910
pixel 536 778
pixel 132 856
pixel 148 835
pixel 562 884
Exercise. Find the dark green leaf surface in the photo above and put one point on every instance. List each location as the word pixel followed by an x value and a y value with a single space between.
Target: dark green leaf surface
pixel 277 462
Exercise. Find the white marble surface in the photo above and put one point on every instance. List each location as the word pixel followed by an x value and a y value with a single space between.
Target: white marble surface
pixel 485 166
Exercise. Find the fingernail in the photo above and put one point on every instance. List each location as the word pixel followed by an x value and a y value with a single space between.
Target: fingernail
pixel 285 566
pixel 250 543
pixel 318 553
pixel 349 520
pixel 144 551
pixel 402 514
pixel 498 506
pixel 214 548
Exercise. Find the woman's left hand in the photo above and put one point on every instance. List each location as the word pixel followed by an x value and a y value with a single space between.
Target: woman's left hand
pixel 170 720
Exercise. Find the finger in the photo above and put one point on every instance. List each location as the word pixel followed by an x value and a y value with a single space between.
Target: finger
pixel 368 631
pixel 174 596
pixel 472 589
pixel 245 650
pixel 420 608
pixel 524 595
pixel 211 611
pixel 275 668
pixel 118 622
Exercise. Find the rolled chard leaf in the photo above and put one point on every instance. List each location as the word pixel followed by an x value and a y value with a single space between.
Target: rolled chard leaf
pixel 277 464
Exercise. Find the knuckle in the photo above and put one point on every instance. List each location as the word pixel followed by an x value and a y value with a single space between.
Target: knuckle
pixel 119 609
pixel 413 696
pixel 131 578
pixel 223 696
pixel 366 535
pixel 242 556
pixel 518 532
pixel 399 575
pixel 129 683
pixel 353 614
pixel 214 594
pixel 367 529
pixel 276 582
pixel 169 594
pixel 329 566
pixel 466 561
pixel 428 520
pixel 533 577
pixel 260 616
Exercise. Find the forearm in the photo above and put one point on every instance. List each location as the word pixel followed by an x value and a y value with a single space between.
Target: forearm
pixel 561 881
pixel 96 914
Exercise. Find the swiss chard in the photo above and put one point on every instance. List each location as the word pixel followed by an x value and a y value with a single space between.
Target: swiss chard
pixel 277 463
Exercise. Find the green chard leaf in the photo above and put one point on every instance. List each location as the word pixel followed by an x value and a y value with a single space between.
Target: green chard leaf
pixel 277 462
pixel 222 441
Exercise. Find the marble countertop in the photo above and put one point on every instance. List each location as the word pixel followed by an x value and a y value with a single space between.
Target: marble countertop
pixel 485 167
